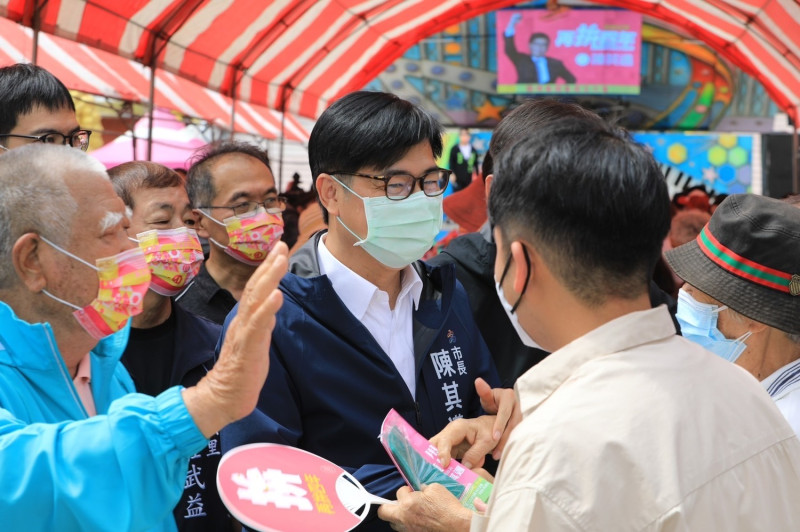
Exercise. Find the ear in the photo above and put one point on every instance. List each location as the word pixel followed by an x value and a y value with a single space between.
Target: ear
pixel 521 270
pixel 487 184
pixel 26 257
pixel 328 192
pixel 200 221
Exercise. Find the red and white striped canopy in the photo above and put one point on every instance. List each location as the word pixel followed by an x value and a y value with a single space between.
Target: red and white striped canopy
pixel 87 69
pixel 300 55
pixel 762 37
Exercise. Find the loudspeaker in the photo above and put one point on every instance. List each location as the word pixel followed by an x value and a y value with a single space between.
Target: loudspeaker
pixel 776 158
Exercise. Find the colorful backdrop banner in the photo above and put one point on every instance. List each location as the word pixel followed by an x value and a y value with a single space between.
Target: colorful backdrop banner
pixel 723 162
pixel 578 51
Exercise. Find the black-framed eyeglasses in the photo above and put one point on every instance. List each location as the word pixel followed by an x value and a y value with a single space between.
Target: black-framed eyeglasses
pixel 272 205
pixel 78 139
pixel 399 185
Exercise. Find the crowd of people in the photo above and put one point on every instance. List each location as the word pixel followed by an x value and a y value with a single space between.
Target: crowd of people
pixel 541 348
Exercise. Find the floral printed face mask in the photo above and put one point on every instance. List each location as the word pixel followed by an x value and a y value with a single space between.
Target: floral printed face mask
pixel 174 257
pixel 124 279
pixel 251 236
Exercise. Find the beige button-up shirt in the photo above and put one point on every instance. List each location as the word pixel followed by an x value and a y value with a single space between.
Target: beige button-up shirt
pixel 631 427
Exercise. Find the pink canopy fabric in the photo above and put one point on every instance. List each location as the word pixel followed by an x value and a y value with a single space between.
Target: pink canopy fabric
pixel 299 55
pixel 173 143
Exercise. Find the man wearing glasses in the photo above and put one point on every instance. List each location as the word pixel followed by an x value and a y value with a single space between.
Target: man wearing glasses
pixel 36 107
pixel 366 326
pixel 233 193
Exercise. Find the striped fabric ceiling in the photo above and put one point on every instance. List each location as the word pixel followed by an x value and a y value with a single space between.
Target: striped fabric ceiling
pixel 83 68
pixel 302 54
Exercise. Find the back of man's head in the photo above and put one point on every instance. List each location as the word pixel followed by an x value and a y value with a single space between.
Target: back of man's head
pixel 369 130
pixel 531 115
pixel 200 178
pixel 34 196
pixel 24 87
pixel 590 200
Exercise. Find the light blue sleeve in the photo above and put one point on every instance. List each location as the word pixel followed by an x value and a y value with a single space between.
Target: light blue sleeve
pixel 120 471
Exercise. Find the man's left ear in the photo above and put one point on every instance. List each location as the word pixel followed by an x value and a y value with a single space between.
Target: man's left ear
pixel 328 192
pixel 26 258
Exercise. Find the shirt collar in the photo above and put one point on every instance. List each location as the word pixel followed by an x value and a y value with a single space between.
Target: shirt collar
pixel 84 373
pixel 204 284
pixel 356 292
pixel 621 334
pixel 783 379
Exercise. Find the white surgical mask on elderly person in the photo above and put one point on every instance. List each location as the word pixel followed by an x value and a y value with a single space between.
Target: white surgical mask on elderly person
pixel 399 232
pixel 698 323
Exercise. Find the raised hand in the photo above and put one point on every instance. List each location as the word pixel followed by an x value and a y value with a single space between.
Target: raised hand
pixel 230 390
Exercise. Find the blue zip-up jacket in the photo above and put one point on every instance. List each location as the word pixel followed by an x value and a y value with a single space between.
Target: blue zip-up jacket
pixel 330 384
pixel 123 469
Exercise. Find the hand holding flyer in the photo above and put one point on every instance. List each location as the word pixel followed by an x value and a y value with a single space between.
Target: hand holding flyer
pixel 417 460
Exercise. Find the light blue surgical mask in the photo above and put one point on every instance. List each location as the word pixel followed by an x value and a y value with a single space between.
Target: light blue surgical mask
pixel 698 323
pixel 398 232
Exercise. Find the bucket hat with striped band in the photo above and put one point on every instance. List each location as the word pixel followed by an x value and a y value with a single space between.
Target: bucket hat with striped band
pixel 748 258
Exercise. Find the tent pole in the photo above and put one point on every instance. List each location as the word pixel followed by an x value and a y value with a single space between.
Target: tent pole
pixel 283 134
pixel 35 54
pixel 795 159
pixel 233 115
pixel 37 22
pixel 150 110
pixel 233 105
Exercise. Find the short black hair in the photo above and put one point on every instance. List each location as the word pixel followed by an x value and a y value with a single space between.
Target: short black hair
pixel 539 35
pixel 199 179
pixel 531 115
pixel 590 200
pixel 24 86
pixel 369 129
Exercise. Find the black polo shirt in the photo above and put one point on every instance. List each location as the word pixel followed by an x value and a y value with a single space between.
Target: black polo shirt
pixel 204 297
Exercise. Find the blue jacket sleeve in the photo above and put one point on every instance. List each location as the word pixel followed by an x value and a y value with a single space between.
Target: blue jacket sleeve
pixel 120 471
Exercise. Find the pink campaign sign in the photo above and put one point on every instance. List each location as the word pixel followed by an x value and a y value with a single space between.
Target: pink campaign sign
pixel 270 487
pixel 569 51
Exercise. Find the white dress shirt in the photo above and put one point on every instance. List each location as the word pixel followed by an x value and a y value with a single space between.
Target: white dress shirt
pixel 391 328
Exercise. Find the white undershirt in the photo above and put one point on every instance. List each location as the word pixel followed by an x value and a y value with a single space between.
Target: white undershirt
pixel 392 329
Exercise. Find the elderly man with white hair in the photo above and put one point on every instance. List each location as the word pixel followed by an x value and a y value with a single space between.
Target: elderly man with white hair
pixel 80 450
